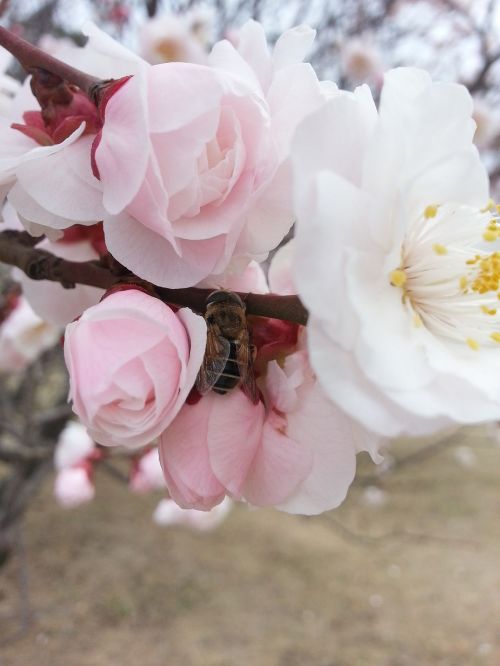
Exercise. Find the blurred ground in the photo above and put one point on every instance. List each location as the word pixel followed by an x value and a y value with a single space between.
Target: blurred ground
pixel 420 586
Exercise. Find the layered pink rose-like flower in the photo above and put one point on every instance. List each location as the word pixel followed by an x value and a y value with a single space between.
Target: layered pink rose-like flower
pixel 294 450
pixel 193 159
pixel 297 453
pixel 132 362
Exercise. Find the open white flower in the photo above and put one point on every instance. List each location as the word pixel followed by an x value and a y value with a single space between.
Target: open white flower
pixel 396 257
pixel 178 37
pixel 360 59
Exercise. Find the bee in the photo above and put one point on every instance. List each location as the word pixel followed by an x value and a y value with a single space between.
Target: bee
pixel 229 356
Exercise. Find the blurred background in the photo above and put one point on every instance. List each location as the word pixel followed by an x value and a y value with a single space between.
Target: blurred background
pixel 405 573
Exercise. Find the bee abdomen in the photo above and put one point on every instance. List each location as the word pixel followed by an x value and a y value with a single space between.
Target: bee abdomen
pixel 230 376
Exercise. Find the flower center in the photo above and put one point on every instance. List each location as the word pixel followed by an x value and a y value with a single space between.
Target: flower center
pixel 450 282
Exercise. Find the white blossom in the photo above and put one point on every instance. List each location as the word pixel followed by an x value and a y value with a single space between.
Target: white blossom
pixel 183 37
pixel 397 257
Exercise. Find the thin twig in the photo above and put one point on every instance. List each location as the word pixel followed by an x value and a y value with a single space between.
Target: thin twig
pixel 114 472
pixel 41 265
pixel 151 7
pixel 32 57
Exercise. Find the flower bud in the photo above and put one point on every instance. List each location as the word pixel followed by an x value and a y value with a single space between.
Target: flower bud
pixel 132 362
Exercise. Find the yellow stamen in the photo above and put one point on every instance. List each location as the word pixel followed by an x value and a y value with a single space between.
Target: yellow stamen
pixel 430 211
pixel 487 310
pixel 490 235
pixel 398 278
pixel 463 282
pixel 495 337
pixel 488 274
pixel 489 206
pixel 439 249
pixel 473 344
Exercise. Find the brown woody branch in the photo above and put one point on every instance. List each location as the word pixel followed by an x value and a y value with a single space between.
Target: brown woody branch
pixel 32 58
pixel 151 7
pixel 16 249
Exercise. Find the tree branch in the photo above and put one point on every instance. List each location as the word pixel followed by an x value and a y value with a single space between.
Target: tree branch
pixel 16 250
pixel 151 7
pixel 32 57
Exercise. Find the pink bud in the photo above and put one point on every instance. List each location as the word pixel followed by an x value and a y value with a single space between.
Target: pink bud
pixel 147 473
pixel 132 362
pixel 73 487
pixel 74 446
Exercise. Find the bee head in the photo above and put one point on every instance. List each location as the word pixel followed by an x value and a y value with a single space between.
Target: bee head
pixel 223 296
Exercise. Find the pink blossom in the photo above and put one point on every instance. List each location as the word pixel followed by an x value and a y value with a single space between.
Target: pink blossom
pixel 73 487
pixel 147 473
pixel 168 513
pixel 204 179
pixel 132 362
pixel 45 167
pixel 73 446
pixel 23 337
pixel 296 453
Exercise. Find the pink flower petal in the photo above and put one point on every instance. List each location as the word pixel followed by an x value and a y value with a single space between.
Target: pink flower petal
pixel 234 435
pixel 78 194
pixel 185 458
pixel 153 258
pixel 281 463
pixel 122 153
pixel 330 435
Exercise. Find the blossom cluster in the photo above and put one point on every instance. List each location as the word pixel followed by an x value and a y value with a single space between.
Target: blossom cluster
pixel 189 174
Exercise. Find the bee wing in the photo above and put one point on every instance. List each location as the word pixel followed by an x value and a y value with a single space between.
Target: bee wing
pixel 245 356
pixel 216 354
